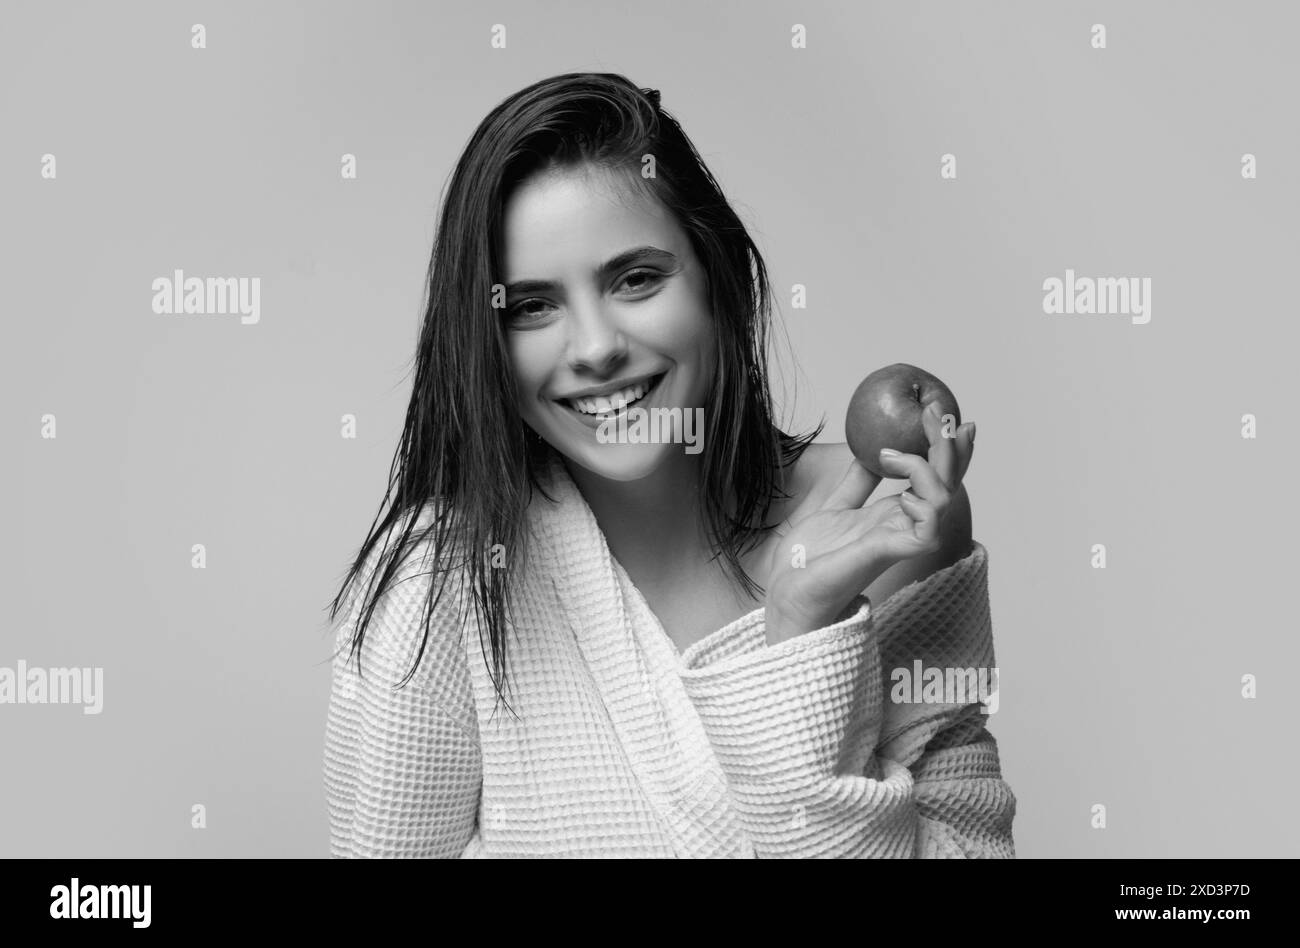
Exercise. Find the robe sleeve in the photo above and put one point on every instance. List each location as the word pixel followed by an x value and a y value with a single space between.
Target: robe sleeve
pixel 824 759
pixel 402 767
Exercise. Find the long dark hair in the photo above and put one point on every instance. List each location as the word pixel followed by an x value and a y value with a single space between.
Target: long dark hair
pixel 464 448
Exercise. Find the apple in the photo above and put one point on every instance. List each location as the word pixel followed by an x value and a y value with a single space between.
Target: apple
pixel 885 412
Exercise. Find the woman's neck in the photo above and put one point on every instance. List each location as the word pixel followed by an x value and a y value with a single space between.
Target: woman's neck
pixel 654 526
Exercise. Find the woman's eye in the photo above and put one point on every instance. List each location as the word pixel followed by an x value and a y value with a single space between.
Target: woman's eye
pixel 525 310
pixel 641 279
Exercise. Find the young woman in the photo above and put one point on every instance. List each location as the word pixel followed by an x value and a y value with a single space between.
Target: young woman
pixel 585 642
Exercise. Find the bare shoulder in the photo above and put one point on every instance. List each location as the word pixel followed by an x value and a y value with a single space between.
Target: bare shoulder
pixel 824 467
pixel 818 471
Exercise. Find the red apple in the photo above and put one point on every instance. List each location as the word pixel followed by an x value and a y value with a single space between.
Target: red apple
pixel 886 409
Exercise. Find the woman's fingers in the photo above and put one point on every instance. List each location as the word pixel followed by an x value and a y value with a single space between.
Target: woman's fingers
pixel 933 479
pixel 853 489
pixel 925 516
pixel 949 455
pixel 965 448
pixel 894 528
pixel 926 483
pixel 943 452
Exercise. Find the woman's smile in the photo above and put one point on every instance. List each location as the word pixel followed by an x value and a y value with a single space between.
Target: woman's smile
pixel 606 402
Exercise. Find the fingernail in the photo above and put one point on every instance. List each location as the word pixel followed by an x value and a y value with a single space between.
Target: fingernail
pixel 888 453
pixel 972 432
pixel 934 409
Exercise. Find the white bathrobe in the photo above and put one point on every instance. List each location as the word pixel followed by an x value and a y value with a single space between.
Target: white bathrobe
pixel 624 747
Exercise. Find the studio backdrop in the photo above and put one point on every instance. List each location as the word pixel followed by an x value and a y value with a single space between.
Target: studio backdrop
pixel 1081 216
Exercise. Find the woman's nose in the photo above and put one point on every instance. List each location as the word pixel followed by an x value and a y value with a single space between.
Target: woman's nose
pixel 595 341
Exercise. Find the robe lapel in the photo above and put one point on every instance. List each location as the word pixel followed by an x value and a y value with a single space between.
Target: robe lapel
pixel 634 665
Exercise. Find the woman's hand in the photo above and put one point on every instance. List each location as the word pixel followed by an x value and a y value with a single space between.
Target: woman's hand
pixel 833 553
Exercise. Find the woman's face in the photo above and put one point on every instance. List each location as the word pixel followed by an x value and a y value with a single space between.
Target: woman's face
pixel 605 299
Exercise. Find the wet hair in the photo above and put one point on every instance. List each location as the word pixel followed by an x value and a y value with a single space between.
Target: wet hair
pixel 464 448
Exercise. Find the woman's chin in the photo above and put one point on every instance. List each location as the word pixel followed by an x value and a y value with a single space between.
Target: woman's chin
pixel 620 462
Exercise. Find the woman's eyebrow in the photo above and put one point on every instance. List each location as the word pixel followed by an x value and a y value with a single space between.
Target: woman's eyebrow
pixel 616 262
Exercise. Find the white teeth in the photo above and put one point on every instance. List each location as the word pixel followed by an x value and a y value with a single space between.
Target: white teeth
pixel 615 401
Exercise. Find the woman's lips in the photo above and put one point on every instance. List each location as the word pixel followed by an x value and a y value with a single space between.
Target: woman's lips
pixel 595 421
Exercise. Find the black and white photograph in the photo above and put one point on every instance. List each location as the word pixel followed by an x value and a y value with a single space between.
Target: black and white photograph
pixel 547 430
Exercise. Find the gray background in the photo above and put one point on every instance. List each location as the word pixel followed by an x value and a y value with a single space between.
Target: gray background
pixel 1119 686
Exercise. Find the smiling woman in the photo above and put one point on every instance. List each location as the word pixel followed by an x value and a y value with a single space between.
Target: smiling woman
pixel 693 668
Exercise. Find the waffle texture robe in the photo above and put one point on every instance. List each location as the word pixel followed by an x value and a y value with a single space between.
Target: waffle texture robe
pixel 625 747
